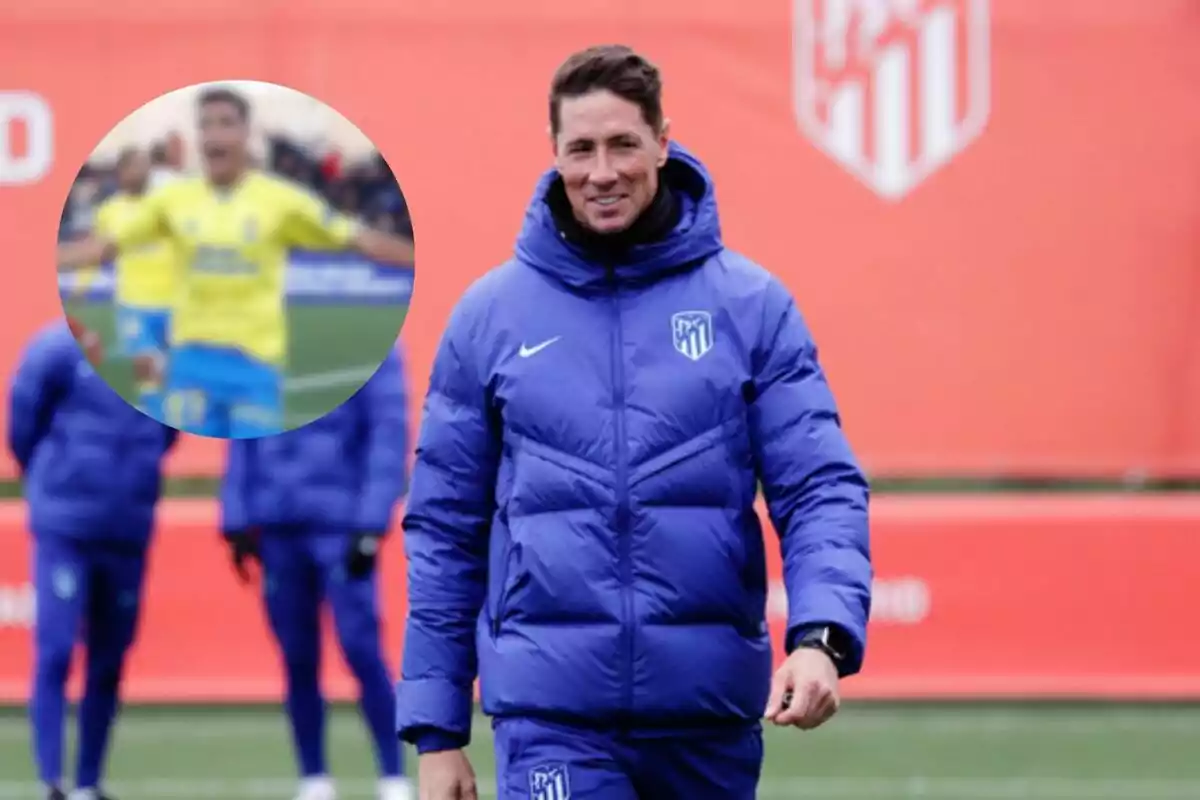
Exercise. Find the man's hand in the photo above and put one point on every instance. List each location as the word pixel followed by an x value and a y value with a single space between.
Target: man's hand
pixel 243 549
pixel 446 775
pixel 384 248
pixel 362 554
pixel 804 691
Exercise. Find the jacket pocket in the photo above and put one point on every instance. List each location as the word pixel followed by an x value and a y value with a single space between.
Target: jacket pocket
pixel 716 436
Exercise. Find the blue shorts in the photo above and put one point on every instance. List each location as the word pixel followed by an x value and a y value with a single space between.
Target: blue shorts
pixel 142 331
pixel 223 393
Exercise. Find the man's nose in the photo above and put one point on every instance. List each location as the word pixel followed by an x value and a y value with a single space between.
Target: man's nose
pixel 603 173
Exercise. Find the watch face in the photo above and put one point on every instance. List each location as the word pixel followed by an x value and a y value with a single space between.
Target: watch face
pixel 818 636
pixel 822 640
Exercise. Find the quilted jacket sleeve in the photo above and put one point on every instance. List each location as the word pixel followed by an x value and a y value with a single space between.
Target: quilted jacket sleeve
pixel 386 404
pixel 816 494
pixel 235 514
pixel 35 390
pixel 448 516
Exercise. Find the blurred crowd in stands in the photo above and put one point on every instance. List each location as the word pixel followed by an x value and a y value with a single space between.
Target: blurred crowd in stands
pixel 364 187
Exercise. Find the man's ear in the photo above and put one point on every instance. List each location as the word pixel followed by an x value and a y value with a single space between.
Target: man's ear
pixel 664 143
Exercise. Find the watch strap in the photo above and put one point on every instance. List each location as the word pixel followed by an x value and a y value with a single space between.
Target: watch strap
pixel 821 638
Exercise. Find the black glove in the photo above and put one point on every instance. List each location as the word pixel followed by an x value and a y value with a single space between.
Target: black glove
pixel 243 548
pixel 363 551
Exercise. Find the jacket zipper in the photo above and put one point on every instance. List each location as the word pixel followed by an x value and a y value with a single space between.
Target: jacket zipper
pixel 623 511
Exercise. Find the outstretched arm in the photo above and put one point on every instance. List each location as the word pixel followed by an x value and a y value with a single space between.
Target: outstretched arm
pixel 146 224
pixel 311 223
pixel 384 248
pixel 86 252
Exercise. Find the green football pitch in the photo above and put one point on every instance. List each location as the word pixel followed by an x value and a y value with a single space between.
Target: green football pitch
pixel 332 351
pixel 868 752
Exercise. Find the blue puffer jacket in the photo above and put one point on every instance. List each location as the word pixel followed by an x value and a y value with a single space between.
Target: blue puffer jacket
pixel 344 471
pixel 91 463
pixel 581 524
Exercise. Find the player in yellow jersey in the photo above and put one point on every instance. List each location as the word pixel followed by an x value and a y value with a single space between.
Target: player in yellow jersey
pixel 146 283
pixel 232 230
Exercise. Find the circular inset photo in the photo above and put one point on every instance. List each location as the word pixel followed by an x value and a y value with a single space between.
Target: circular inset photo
pixel 239 258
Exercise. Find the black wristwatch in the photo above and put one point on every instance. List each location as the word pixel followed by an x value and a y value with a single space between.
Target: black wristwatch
pixel 824 638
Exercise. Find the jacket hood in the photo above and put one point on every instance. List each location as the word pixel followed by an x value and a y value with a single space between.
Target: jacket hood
pixel 696 237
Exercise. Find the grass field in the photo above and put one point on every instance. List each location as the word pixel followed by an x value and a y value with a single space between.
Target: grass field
pixel 869 752
pixel 333 350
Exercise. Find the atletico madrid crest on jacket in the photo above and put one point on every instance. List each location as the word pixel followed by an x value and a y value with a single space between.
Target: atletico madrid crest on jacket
pixel 693 332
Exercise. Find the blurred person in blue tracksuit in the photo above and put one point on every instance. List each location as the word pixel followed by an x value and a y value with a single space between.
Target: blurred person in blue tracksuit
pixel 581 531
pixel 91 466
pixel 312 505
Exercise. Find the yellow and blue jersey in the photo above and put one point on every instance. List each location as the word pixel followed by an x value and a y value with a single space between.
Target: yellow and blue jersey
pixel 232 247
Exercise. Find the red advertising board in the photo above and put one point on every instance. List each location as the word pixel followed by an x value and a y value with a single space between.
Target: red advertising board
pixel 973 598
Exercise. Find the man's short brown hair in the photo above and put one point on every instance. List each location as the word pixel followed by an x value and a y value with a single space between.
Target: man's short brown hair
pixel 612 67
pixel 223 94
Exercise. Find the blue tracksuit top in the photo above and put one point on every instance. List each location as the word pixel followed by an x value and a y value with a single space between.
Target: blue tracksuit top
pixel 580 529
pixel 90 462
pixel 344 471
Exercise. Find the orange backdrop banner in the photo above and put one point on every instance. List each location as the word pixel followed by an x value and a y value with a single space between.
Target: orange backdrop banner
pixel 1029 597
pixel 988 211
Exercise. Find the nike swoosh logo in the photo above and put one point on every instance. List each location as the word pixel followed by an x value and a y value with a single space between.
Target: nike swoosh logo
pixel 526 352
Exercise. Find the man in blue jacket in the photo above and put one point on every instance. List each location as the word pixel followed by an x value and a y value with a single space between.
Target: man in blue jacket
pixel 581 525
pixel 92 472
pixel 313 505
